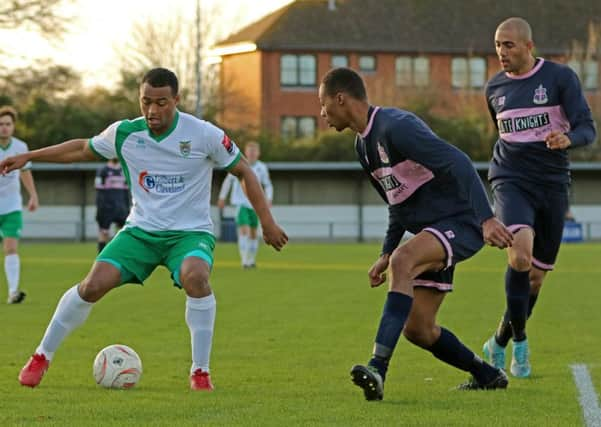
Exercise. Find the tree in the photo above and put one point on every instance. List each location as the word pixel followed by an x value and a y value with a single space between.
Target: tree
pixel 171 43
pixel 41 15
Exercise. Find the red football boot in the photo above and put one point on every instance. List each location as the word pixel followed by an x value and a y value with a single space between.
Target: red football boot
pixel 200 380
pixel 34 370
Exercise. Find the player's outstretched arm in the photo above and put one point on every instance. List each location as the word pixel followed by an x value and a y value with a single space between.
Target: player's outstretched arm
pixel 75 150
pixel 272 233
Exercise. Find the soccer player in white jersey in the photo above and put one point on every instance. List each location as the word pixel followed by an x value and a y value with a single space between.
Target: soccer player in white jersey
pixel 246 218
pixel 11 218
pixel 168 158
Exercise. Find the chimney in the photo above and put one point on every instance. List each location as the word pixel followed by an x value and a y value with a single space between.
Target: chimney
pixel 331 5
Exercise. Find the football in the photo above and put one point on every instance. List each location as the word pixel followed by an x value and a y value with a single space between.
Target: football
pixel 117 366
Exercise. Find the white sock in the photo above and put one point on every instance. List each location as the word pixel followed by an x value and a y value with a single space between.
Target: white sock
pixel 200 317
pixel 71 312
pixel 12 268
pixel 243 248
pixel 253 247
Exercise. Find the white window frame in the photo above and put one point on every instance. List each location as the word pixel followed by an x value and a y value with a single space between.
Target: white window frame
pixel 412 71
pixel 468 72
pixel 301 70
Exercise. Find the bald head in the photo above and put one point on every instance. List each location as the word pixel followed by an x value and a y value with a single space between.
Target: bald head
pixel 513 42
pixel 519 26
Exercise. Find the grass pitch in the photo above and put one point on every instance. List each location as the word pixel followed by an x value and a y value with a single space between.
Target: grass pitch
pixel 286 336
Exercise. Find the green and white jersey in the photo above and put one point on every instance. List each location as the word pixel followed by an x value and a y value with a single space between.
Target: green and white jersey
pixel 238 197
pixel 169 175
pixel 10 184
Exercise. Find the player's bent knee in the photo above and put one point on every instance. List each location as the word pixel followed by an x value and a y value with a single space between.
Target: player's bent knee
pixel 91 290
pixel 196 282
pixel 401 263
pixel 99 281
pixel 520 261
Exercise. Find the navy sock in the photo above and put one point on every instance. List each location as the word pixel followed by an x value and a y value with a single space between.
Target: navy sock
pixel 101 246
pixel 531 303
pixel 450 350
pixel 504 331
pixel 396 311
pixel 517 289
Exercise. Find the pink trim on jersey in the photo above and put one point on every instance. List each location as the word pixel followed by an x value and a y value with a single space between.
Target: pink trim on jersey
pixel 541 265
pixel 554 115
pixel 370 123
pixel 113 183
pixel 445 242
pixel 404 179
pixel 514 228
pixel 444 287
pixel 529 73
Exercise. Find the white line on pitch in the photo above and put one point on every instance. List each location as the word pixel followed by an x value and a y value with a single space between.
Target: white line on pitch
pixel 588 397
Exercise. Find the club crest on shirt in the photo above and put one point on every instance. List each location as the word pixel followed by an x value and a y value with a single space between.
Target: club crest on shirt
pixel 185 147
pixel 382 154
pixel 540 95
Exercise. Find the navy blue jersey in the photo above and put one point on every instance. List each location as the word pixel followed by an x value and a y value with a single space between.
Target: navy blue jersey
pixel 525 109
pixel 111 189
pixel 422 178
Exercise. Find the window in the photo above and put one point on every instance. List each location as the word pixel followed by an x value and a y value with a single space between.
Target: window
pixel 412 71
pixel 588 72
pixel 468 72
pixel 591 75
pixel 298 70
pixel 367 63
pixel 339 61
pixel 294 127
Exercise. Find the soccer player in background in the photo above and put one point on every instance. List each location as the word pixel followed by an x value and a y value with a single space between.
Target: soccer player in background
pixel 11 217
pixel 112 200
pixel 433 191
pixel 168 157
pixel 540 112
pixel 246 218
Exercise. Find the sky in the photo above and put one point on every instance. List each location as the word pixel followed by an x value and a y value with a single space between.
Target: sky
pixel 99 28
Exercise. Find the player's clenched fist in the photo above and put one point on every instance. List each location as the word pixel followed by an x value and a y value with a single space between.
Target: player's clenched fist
pixel 275 236
pixel 496 234
pixel 377 272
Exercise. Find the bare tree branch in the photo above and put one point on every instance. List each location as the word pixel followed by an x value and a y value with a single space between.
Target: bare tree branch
pixel 41 15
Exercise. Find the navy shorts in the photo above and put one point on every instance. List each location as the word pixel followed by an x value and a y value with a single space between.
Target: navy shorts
pixel 461 237
pixel 107 216
pixel 541 209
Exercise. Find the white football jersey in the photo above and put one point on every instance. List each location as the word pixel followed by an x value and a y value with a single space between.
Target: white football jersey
pixel 10 184
pixel 170 175
pixel 238 198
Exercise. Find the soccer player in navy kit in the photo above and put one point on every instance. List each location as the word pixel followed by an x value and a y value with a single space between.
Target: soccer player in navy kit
pixel 540 111
pixel 432 191
pixel 112 200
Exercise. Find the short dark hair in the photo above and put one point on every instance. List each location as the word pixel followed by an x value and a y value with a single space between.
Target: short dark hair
pixel 344 80
pixel 7 110
pixel 160 77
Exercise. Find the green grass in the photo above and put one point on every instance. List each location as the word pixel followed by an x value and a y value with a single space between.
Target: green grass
pixel 286 336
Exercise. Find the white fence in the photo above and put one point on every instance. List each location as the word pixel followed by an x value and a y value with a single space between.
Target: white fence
pixel 319 222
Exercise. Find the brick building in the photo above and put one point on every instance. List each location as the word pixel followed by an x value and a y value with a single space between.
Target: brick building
pixel 441 50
